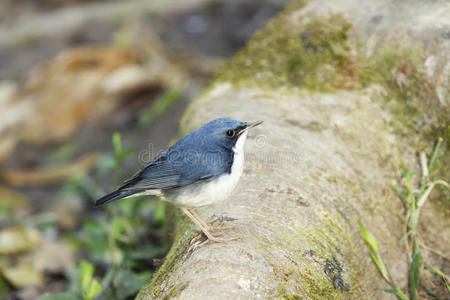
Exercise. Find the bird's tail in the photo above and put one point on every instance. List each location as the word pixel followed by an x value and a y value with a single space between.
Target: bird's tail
pixel 116 195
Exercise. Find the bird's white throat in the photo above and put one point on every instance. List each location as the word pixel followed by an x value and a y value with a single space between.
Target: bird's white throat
pixel 238 159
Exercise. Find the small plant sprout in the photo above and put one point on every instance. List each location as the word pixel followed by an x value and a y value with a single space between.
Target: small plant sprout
pixel 379 263
pixel 89 286
pixel 414 201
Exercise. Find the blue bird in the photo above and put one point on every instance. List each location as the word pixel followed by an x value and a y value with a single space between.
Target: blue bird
pixel 200 169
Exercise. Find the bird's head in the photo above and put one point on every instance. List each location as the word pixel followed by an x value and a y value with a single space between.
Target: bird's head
pixel 226 132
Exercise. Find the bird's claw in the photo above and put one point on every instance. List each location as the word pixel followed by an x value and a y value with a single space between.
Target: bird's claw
pixel 197 243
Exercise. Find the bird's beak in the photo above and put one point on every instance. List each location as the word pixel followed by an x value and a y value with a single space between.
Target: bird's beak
pixel 249 125
pixel 253 124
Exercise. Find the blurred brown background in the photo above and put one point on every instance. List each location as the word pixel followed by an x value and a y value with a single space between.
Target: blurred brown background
pixel 89 90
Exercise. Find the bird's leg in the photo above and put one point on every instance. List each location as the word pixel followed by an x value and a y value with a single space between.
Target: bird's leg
pixel 203 228
pixel 196 216
pixel 208 227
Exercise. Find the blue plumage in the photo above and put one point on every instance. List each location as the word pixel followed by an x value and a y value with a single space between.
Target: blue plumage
pixel 200 169
pixel 204 154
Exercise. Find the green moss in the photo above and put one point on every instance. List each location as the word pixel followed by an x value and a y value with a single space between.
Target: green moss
pixel 291 297
pixel 176 290
pixel 315 55
pixel 412 98
pixel 318 286
pixel 306 272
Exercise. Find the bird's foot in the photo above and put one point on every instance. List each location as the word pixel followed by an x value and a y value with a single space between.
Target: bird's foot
pixel 206 230
pixel 197 242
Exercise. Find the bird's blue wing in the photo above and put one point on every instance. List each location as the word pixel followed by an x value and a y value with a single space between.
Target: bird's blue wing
pixel 176 169
pixel 158 174
pixel 200 163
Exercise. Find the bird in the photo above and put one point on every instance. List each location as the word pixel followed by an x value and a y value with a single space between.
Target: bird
pixel 200 169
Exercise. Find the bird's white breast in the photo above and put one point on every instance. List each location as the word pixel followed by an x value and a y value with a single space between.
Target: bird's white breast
pixel 218 189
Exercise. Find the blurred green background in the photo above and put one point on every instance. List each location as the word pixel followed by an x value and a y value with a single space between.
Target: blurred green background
pixel 89 91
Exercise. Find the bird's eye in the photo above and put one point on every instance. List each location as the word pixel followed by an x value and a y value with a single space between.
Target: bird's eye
pixel 230 133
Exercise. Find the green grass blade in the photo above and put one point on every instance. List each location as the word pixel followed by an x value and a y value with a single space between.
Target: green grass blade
pixel 433 156
pixel 397 292
pixel 430 291
pixel 400 294
pixel 439 272
pixel 414 276
pixel 368 237
pixel 381 266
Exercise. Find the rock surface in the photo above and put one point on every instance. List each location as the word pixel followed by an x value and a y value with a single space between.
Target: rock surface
pixel 322 160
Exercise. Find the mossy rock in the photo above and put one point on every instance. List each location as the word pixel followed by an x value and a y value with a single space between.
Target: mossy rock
pixel 309 74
